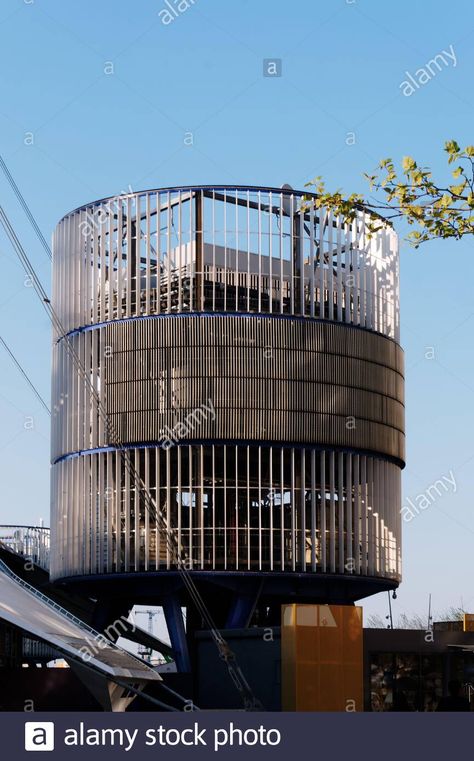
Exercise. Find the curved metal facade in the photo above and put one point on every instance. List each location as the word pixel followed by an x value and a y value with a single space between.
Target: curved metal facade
pixel 245 350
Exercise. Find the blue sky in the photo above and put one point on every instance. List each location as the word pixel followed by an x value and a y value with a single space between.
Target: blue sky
pixel 96 133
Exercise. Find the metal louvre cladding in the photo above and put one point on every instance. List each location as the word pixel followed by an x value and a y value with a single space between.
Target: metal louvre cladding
pixel 246 351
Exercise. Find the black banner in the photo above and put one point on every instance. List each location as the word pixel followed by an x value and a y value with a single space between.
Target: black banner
pixel 202 735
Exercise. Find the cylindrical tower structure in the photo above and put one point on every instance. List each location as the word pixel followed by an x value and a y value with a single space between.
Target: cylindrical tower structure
pixel 245 349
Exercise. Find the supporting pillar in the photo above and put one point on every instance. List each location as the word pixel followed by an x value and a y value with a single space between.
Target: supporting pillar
pixel 177 633
pixel 242 607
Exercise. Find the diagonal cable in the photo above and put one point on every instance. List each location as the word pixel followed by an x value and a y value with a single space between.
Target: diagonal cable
pixel 26 208
pixel 25 375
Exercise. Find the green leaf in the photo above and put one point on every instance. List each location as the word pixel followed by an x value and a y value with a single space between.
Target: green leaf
pixel 457 189
pixel 451 146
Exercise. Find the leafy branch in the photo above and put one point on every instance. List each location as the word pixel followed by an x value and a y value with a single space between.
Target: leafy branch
pixel 434 210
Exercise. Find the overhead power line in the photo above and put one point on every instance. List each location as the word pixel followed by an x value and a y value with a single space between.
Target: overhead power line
pixel 25 375
pixel 26 208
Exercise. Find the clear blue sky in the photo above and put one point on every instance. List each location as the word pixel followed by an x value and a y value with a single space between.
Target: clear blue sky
pixel 94 134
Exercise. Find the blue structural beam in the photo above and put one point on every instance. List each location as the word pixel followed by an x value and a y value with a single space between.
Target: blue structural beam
pixel 177 633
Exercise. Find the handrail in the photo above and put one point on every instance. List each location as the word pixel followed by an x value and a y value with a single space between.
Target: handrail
pixel 70 616
pixel 44 598
pixel 19 525
pixel 27 541
pixel 192 189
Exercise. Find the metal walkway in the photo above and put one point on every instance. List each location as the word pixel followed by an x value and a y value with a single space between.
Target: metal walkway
pixel 25 607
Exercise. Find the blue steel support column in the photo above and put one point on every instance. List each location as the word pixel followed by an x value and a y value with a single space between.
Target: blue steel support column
pixel 177 633
pixel 242 608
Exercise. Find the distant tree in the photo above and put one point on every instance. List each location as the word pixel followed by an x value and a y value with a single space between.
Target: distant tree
pixel 435 209
pixel 403 621
pixel 376 621
pixel 453 614
pixel 414 621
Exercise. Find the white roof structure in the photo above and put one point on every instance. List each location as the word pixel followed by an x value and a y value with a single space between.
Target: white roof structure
pixel 27 608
